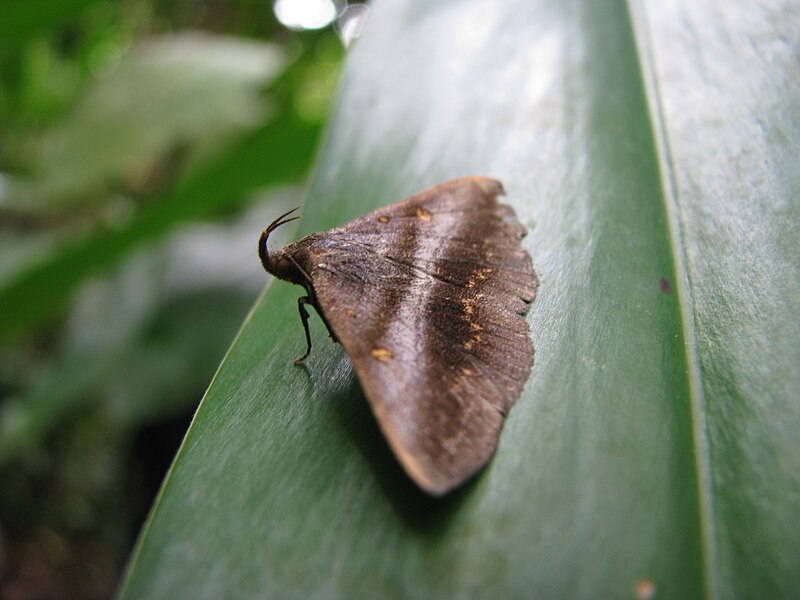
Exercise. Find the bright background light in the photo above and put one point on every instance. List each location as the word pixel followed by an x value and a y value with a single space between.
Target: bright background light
pixel 305 14
pixel 351 22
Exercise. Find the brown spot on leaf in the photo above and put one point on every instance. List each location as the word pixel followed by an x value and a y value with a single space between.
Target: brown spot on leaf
pixel 645 589
pixel 666 287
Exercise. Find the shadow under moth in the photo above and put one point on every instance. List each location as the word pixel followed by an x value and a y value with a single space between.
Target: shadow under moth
pixel 427 296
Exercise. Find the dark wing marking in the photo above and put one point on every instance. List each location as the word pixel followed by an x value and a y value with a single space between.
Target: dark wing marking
pixel 426 296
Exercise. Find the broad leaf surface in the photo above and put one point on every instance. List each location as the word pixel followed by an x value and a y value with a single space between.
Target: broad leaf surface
pixel 652 151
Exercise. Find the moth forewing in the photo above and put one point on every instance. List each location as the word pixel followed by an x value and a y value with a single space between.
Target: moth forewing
pixel 427 296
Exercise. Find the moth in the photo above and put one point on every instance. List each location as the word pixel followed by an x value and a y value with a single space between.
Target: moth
pixel 427 296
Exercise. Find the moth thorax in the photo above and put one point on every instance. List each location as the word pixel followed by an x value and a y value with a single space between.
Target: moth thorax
pixel 283 267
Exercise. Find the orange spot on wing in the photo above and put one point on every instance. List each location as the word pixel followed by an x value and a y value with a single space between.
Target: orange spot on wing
pixel 381 354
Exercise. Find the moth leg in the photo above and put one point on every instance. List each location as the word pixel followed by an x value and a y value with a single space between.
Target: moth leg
pixel 301 302
pixel 312 300
pixel 324 320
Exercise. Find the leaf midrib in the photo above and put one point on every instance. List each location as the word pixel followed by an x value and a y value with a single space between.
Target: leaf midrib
pixel 683 287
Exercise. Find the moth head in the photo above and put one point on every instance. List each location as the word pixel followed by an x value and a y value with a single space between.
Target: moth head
pixel 279 263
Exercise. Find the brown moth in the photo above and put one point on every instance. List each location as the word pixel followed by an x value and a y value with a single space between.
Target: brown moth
pixel 428 297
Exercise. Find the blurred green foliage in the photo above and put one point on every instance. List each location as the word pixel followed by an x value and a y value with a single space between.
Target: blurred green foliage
pixel 123 125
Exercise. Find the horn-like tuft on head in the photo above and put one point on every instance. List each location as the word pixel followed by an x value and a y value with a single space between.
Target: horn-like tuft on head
pixel 263 252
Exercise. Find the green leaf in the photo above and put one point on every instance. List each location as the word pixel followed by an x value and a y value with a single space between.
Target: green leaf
pixel 653 156
pixel 274 153
pixel 192 88
pixel 23 19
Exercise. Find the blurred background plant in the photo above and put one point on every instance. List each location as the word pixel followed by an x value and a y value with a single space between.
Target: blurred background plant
pixel 143 146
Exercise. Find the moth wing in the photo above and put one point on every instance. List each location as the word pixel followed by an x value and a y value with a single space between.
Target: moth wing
pixel 427 297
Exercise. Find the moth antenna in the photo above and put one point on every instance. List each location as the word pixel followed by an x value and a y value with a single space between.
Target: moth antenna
pixel 263 252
